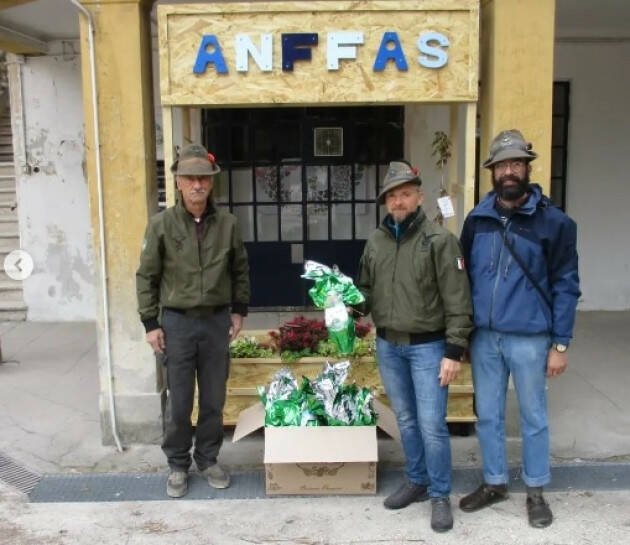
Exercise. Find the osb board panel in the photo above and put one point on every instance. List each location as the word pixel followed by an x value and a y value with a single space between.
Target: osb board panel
pixel 250 375
pixel 459 408
pixel 245 377
pixel 181 28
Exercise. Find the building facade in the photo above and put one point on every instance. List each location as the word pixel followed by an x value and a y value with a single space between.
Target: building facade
pixel 303 104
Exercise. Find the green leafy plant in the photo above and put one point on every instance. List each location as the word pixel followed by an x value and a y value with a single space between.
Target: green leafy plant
pixel 291 356
pixel 362 348
pixel 249 347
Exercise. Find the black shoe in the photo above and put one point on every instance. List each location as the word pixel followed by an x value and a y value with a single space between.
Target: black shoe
pixel 485 495
pixel 538 510
pixel 408 493
pixel 441 516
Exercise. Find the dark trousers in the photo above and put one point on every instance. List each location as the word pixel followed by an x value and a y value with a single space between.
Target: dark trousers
pixel 195 346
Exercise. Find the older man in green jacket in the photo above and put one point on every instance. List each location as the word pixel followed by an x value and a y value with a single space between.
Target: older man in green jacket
pixel 412 275
pixel 193 292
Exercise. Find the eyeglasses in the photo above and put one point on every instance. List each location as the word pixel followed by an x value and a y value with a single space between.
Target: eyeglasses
pixel 514 164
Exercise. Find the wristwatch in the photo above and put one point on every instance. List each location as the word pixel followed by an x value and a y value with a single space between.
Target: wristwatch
pixel 562 348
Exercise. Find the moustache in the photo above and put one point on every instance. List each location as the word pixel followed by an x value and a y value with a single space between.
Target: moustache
pixel 510 178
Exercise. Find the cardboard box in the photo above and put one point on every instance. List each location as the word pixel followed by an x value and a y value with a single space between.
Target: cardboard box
pixel 319 459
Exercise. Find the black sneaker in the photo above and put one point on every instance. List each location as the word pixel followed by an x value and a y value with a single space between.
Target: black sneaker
pixel 485 495
pixel 408 493
pixel 441 516
pixel 538 510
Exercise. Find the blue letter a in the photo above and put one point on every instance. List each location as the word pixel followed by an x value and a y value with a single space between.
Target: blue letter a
pixel 204 58
pixel 384 54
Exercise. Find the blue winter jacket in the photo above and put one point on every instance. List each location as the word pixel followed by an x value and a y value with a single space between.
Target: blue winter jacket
pixel 545 240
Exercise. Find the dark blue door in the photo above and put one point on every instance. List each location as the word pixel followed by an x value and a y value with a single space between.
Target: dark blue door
pixel 302 183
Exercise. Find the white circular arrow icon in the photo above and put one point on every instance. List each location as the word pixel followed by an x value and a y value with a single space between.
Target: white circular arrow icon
pixel 18 265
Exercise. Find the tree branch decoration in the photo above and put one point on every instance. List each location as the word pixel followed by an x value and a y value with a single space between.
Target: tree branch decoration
pixel 441 146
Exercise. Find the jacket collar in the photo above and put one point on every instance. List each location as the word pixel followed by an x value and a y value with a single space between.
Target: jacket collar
pixel 410 224
pixel 181 210
pixel 486 208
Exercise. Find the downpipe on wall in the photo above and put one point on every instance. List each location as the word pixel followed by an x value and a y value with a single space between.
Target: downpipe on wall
pixel 101 225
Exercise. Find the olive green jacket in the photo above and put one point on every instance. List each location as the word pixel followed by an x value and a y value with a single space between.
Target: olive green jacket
pixel 418 284
pixel 178 271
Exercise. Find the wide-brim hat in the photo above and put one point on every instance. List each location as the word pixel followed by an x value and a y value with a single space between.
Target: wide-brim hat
pixel 398 173
pixel 509 145
pixel 194 160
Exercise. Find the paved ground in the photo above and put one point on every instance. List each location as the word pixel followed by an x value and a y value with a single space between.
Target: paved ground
pixel 49 418
pixel 49 423
pixel 582 518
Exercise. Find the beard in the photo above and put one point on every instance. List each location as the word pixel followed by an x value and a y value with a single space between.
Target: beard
pixel 511 192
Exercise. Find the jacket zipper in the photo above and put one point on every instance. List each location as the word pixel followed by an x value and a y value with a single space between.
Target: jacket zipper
pixel 391 308
pixel 498 273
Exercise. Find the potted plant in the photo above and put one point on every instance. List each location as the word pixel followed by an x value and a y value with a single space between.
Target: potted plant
pixel 302 345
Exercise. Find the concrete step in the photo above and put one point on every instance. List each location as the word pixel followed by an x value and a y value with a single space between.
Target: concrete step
pixel 12 316
pixel 7 193
pixel 9 230
pixel 7 168
pixel 7 183
pixel 13 305
pixel 8 214
pixel 12 311
pixel 9 244
pixel 8 209
pixel 11 286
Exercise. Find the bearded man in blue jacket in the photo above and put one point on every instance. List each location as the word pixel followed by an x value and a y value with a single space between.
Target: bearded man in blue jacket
pixel 522 262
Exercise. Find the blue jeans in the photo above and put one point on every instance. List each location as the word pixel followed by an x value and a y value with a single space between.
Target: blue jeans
pixel 410 376
pixel 494 357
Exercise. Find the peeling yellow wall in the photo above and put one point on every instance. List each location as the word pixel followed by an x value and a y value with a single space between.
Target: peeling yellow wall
pixel 517 78
pixel 127 144
pixel 181 28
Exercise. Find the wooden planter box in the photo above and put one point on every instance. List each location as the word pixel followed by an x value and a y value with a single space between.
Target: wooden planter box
pixel 248 373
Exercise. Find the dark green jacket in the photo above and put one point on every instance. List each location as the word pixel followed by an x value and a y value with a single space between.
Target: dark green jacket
pixel 418 285
pixel 178 271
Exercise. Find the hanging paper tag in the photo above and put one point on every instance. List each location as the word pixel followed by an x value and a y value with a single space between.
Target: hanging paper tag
pixel 446 207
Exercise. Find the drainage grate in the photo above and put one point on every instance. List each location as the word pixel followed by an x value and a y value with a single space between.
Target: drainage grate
pixel 114 487
pixel 17 476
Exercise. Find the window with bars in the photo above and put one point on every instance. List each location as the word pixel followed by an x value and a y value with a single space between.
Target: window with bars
pixel 282 190
pixel 559 143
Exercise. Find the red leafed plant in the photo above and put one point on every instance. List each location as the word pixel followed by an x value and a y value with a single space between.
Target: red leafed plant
pixel 302 334
pixel 299 334
pixel 362 329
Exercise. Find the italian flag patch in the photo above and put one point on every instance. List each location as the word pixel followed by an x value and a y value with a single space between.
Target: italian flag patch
pixel 459 261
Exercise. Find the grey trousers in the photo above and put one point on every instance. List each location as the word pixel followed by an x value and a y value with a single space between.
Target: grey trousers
pixel 195 347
